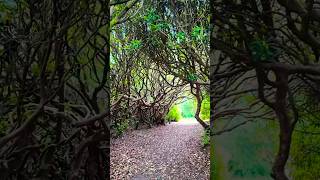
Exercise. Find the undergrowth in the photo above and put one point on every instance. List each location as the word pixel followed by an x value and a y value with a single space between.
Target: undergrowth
pixel 205 138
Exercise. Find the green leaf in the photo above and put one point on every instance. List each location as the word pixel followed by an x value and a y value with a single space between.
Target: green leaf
pixel 154 27
pixel 151 16
pixel 260 50
pixel 135 44
pixel 192 77
pixel 181 36
pixel 196 31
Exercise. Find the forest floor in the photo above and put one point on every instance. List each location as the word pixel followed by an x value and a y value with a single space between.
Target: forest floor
pixel 172 152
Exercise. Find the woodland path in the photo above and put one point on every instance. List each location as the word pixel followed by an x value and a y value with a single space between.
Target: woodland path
pixel 171 152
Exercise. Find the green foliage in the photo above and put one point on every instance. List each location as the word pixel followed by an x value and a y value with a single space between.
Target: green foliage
pixel 171 45
pixel 163 25
pixel 153 21
pixel 205 138
pixel 159 26
pixel 117 11
pixel 305 149
pixel 198 33
pixel 121 127
pixel 151 16
pixel 174 114
pixel 181 37
pixel 192 77
pixel 205 108
pixel 305 155
pixel 154 27
pixel 7 10
pixel 260 50
pixel 135 44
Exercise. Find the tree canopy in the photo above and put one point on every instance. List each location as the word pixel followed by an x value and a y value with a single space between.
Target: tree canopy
pixel 75 73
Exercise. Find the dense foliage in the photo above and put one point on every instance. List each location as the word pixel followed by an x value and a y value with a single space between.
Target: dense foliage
pixel 54 88
pixel 74 72
pixel 158 62
pixel 174 114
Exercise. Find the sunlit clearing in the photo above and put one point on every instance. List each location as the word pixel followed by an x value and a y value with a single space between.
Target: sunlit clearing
pixel 187 108
pixel 188 121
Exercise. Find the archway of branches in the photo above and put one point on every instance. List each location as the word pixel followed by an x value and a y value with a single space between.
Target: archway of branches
pixel 156 64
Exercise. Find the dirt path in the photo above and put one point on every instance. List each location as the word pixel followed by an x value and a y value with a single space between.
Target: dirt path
pixel 165 152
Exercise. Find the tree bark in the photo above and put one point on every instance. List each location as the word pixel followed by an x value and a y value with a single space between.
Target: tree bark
pixel 199 101
pixel 278 169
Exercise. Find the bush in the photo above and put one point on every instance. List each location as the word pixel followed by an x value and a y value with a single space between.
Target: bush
pixel 205 138
pixel 205 108
pixel 174 114
pixel 121 127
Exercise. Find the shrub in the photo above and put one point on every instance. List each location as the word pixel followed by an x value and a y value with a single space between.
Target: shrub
pixel 174 114
pixel 205 138
pixel 121 127
pixel 205 108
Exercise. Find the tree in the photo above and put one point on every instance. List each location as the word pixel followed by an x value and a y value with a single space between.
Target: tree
pixel 153 39
pixel 54 88
pixel 265 37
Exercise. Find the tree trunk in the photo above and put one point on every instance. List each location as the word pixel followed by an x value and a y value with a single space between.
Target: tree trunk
pixel 285 136
pixel 278 169
pixel 199 101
